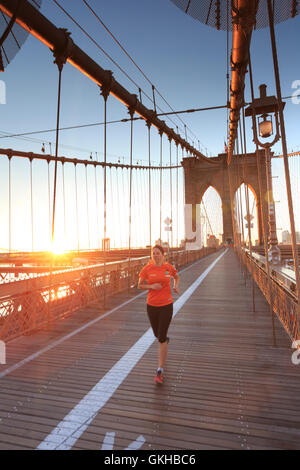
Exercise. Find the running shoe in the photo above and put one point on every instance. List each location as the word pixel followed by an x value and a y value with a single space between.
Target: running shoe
pixel 159 377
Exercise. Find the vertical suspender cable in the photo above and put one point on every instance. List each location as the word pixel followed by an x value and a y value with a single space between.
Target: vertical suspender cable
pixel 177 201
pixel 160 189
pixel 104 177
pixel 149 179
pixel 60 65
pixel 124 189
pixel 131 112
pixel 171 196
pixel 118 214
pixel 138 215
pixel 31 200
pixel 177 224
pixel 76 204
pixel 146 199
pixel 60 59
pixel 64 206
pixel 105 94
pixel 49 201
pixel 141 188
pixel 183 197
pixel 111 206
pixel 50 243
pixel 97 207
pixel 139 191
pixel 9 203
pixel 87 206
pixel 136 209
pixel 284 151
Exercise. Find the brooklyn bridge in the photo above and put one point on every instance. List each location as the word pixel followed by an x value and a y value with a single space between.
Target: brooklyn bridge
pixel 83 205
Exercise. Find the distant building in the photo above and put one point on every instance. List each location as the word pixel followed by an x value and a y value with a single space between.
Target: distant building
pixel 286 237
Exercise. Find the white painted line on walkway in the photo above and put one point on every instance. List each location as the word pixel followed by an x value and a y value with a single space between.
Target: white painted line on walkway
pixel 108 441
pixel 70 429
pixel 75 332
pixel 137 444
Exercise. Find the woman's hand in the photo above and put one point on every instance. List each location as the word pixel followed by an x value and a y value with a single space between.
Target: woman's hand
pixel 156 286
pixel 176 289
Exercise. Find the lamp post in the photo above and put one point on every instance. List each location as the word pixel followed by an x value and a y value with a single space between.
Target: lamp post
pixel 168 228
pixel 261 110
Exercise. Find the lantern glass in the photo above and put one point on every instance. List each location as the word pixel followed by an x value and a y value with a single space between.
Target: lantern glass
pixel 265 126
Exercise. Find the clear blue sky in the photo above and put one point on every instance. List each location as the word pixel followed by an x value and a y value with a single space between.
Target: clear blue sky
pixel 184 59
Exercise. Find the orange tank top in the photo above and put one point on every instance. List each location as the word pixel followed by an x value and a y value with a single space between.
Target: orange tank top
pixel 152 274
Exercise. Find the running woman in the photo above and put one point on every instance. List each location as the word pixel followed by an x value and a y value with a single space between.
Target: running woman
pixel 156 278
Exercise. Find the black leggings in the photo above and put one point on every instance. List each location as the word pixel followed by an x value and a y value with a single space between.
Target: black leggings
pixel 160 319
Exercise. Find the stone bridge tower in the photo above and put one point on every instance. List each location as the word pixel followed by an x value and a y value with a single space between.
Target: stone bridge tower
pixel 200 175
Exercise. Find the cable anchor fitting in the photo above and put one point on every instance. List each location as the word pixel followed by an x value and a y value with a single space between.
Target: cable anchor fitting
pixel 150 120
pixel 61 55
pixel 132 107
pixel 106 86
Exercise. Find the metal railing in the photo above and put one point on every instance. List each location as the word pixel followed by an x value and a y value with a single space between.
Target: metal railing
pixel 282 294
pixel 35 303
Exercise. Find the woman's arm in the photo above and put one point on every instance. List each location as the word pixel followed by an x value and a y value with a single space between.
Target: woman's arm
pixel 176 283
pixel 142 285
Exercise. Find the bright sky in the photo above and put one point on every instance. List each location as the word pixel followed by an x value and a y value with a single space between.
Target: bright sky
pixel 185 60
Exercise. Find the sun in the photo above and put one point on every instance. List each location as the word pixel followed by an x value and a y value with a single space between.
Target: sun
pixel 57 248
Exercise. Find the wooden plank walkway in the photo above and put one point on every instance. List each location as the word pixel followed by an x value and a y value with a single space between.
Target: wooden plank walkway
pixel 226 386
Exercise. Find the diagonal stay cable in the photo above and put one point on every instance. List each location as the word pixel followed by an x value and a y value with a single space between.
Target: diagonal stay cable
pixel 130 58
pixel 96 44
pixel 107 55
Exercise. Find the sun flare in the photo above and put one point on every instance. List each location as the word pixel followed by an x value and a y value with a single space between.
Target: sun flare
pixel 57 248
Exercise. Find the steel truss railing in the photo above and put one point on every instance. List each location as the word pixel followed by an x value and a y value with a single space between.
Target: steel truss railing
pixel 33 304
pixel 284 301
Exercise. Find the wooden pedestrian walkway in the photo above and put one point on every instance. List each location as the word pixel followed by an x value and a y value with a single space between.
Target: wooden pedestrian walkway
pixel 91 387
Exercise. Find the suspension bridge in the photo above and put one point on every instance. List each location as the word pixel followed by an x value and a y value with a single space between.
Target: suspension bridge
pixel 77 227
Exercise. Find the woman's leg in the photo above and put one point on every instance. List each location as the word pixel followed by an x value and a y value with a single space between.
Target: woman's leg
pixel 162 354
pixel 153 315
pixel 164 323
